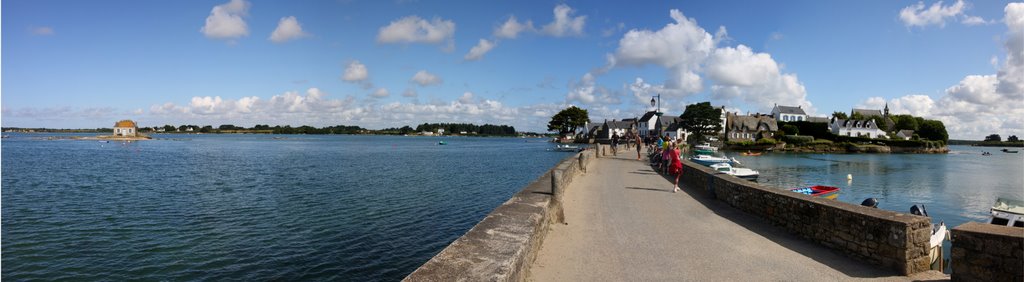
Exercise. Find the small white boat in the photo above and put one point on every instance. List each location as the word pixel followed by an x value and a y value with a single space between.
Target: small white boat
pixel 708 160
pixel 741 172
pixel 1007 212
pixel 939 235
pixel 705 149
pixel 567 148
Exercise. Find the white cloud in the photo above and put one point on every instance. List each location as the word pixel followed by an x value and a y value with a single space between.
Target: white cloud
pixel 409 92
pixel 680 47
pixel 380 93
pixel 565 24
pixel 41 30
pixel 413 29
pixel 755 78
pixel 973 20
pixel 225 21
pixel 478 51
pixel 424 78
pixel 937 14
pixel 512 27
pixel 356 72
pixel 288 28
pixel 587 91
pixel 466 98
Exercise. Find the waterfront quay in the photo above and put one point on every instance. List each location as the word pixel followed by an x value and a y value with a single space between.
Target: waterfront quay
pixel 600 216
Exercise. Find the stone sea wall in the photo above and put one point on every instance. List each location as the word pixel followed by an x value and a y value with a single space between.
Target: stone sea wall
pixel 985 252
pixel 504 244
pixel 885 238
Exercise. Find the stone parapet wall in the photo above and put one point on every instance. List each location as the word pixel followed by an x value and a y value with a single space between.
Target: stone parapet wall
pixel 889 239
pixel 985 252
pixel 504 244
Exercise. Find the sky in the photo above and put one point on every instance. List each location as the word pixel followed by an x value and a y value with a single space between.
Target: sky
pixel 379 64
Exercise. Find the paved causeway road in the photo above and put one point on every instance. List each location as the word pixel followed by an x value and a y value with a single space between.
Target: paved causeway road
pixel 625 224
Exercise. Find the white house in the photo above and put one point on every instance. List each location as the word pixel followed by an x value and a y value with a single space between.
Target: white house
pixel 855 128
pixel 906 134
pixel 125 128
pixel 646 123
pixel 613 127
pixel 787 113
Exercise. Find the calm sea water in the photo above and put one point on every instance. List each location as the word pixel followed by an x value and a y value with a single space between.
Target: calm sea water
pixel 249 207
pixel 955 188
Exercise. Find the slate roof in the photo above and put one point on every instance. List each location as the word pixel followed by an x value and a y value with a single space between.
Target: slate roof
pixel 867 113
pixel 647 116
pixel 817 119
pixel 791 110
pixel 906 132
pixel 852 123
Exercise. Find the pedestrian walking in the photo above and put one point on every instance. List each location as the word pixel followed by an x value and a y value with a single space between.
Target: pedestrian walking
pixel 676 168
pixel 639 144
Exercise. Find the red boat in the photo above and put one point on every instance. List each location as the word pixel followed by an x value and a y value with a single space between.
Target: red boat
pixel 827 192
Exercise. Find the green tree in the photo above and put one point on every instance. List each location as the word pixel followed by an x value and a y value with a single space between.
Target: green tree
pixel 840 115
pixel 934 130
pixel 206 129
pixel 1012 138
pixel 568 120
pixel 993 137
pixel 857 116
pixel 169 128
pixel 905 122
pixel 701 119
pixel 790 129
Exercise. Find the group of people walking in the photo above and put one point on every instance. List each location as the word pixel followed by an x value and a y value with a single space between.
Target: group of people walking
pixel 663 152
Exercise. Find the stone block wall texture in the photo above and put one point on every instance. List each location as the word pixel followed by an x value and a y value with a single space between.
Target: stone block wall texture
pixel 985 252
pixel 889 239
pixel 504 244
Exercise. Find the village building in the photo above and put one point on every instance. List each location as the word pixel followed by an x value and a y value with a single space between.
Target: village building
pixel 787 113
pixel 867 114
pixel 646 124
pixel 905 134
pixel 126 128
pixel 856 128
pixel 750 128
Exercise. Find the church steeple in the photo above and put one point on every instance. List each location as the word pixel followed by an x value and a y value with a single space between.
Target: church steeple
pixel 886 109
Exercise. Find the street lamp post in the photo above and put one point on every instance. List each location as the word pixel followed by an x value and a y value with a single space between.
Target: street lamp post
pixel 658 111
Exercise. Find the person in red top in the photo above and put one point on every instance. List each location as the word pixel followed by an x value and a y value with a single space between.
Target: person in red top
pixel 676 165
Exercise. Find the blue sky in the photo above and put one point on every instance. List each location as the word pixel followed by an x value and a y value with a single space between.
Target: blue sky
pixel 86 64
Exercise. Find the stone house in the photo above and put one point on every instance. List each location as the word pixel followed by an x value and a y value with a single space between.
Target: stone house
pixel 787 113
pixel 750 128
pixel 855 128
pixel 609 128
pixel 126 128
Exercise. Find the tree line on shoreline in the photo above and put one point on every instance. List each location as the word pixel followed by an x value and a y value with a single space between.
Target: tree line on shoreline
pixel 448 129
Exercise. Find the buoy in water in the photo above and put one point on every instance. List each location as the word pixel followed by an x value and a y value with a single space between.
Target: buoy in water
pixel 849 177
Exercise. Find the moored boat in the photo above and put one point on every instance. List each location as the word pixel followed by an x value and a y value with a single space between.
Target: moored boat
pixel 705 149
pixel 939 234
pixel 741 172
pixel 567 148
pixel 708 160
pixel 749 153
pixel 1009 151
pixel 827 192
pixel 1007 212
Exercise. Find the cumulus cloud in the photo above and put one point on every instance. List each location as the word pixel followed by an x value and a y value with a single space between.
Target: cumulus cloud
pixel 413 29
pixel 409 92
pixel 478 51
pixel 512 27
pixel 41 30
pixel 755 78
pixel 356 72
pixel 979 105
pixel 937 14
pixel 565 24
pixel 680 47
pixel 587 91
pixel 466 98
pixel 380 93
pixel 424 78
pixel 288 28
pixel 226 21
